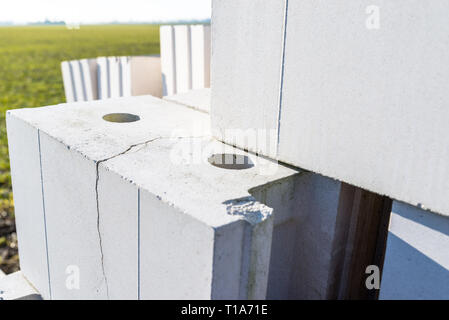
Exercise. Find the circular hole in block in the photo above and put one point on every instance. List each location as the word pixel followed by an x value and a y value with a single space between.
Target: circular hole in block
pixel 121 117
pixel 230 161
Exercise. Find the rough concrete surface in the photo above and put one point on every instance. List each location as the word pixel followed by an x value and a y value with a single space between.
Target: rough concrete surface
pixel 151 192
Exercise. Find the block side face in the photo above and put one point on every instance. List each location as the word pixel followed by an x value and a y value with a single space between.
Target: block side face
pixel 200 56
pixel 23 141
pixel 176 252
pixel 93 73
pixel 74 250
pixel 318 198
pixel 168 63
pixel 228 262
pixel 303 237
pixel 67 79
pixel 246 64
pixel 118 224
pixel 183 60
pixel 146 76
pixel 368 106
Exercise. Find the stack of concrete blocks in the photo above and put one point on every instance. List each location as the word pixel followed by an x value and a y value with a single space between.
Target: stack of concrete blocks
pixel 111 77
pixel 145 207
pixel 346 90
pixel 185 57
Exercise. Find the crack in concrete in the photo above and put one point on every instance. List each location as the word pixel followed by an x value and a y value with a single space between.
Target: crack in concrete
pixel 97 179
pixel 142 145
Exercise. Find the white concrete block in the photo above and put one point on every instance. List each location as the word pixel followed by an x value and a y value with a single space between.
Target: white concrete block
pixel 88 69
pixel 417 260
pixel 67 79
pixel 85 165
pixel 183 58
pixel 78 81
pixel 104 87
pixel 365 105
pixel 25 159
pixel 361 102
pixel 125 76
pixel 16 287
pixel 198 99
pixel 173 226
pixel 144 192
pixel 168 60
pixel 201 46
pixel 246 63
pixel 120 237
pixel 115 77
pixel 145 72
pixel 70 211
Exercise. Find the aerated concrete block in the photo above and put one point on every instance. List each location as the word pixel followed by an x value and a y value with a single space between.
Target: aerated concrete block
pixel 69 142
pixel 201 41
pixel 247 39
pixel 183 58
pixel 378 88
pixel 147 209
pixel 145 76
pixel 168 60
pixel 361 88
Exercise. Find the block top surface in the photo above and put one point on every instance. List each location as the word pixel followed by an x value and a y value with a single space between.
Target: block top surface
pixel 168 152
pixel 81 126
pixel 192 175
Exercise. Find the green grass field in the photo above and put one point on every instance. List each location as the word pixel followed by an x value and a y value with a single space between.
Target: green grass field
pixel 30 76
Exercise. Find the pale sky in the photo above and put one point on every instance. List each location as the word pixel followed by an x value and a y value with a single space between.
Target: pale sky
pixel 91 11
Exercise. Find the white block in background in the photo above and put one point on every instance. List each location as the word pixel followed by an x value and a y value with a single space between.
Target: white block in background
pixel 145 73
pixel 168 61
pixel 183 58
pixel 89 69
pixel 78 81
pixel 115 77
pixel 67 78
pixel 246 62
pixel 125 76
pixel 129 76
pixel 201 41
pixel 24 155
pixel 103 77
